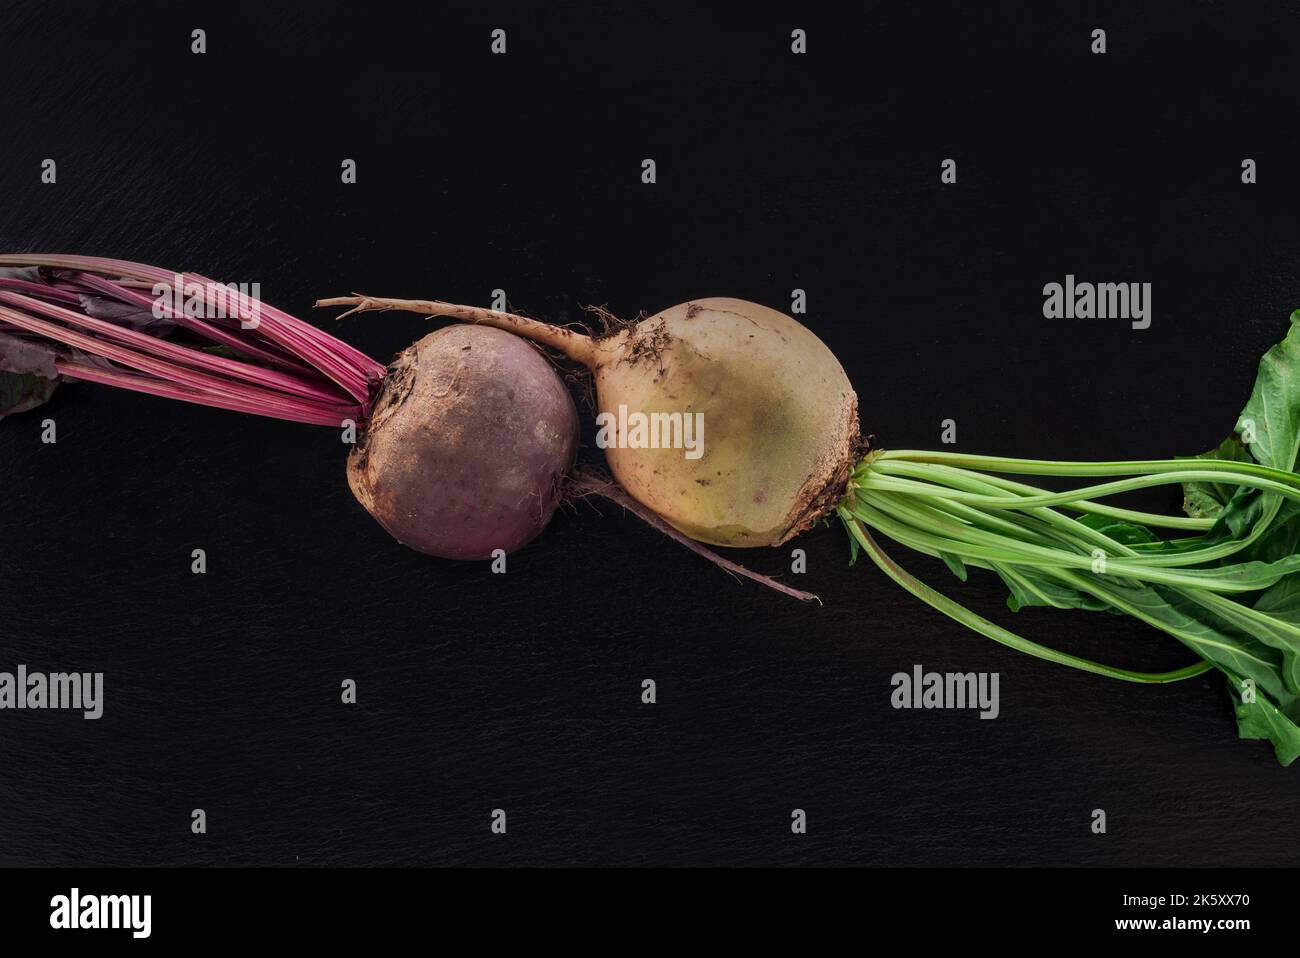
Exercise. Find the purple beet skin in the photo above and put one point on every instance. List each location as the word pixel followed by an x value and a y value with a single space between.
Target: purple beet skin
pixel 468 445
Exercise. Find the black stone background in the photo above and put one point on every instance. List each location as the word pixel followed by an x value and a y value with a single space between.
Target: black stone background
pixel 521 171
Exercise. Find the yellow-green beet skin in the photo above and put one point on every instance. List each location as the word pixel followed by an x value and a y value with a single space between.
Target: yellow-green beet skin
pixel 780 423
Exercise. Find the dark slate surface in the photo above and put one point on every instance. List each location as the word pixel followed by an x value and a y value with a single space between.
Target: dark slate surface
pixel 522 172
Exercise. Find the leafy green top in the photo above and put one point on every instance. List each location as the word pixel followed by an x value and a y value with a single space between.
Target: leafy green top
pixel 1229 591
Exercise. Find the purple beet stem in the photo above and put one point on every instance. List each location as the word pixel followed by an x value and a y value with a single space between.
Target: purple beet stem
pixel 288 369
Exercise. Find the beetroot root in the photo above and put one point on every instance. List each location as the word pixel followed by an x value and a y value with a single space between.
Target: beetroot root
pixel 468 445
pixel 780 412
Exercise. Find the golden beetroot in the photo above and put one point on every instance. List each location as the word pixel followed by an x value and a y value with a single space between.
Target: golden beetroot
pixel 779 420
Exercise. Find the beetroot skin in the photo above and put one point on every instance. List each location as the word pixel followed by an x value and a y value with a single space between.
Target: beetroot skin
pixel 470 440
